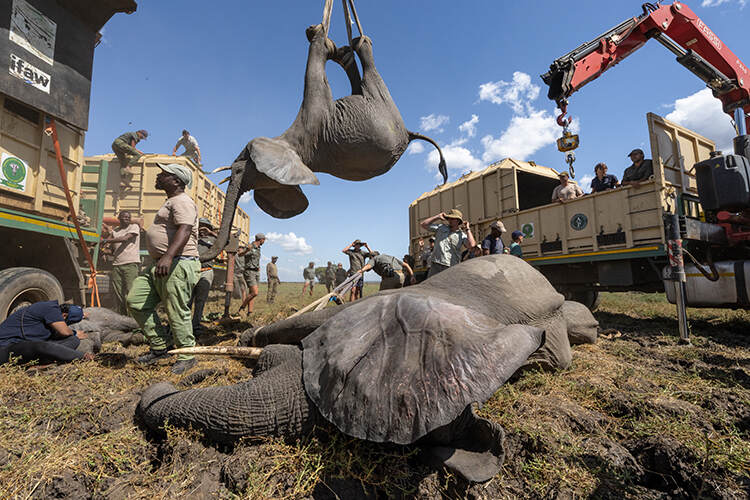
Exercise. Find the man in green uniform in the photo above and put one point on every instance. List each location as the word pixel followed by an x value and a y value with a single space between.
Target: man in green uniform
pixel 390 269
pixel 127 154
pixel 172 242
pixel 272 272
pixel 330 276
pixel 252 271
pixel 340 274
pixel 206 239
pixel 126 243
pixel 308 274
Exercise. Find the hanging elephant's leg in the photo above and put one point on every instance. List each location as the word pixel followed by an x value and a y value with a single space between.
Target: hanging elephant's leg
pixel 344 57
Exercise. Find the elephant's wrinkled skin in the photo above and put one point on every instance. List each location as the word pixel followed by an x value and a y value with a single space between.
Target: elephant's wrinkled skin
pixel 402 366
pixel 355 138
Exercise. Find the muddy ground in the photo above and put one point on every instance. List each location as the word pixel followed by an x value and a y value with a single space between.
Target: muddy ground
pixel 637 416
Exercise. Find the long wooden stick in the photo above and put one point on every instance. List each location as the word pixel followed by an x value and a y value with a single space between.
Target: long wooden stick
pixel 312 304
pixel 218 350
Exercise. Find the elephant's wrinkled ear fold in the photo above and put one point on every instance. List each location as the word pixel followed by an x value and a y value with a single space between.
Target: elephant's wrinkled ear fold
pixel 475 450
pixel 282 202
pixel 276 159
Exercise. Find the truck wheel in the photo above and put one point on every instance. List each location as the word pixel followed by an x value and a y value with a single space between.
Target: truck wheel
pixel 588 298
pixel 22 286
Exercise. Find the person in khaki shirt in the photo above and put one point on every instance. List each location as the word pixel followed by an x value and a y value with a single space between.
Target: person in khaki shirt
pixel 272 273
pixel 173 245
pixel 126 240
pixel 566 190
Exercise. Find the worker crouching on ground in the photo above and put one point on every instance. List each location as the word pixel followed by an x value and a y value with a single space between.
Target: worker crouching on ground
pixel 252 271
pixel 126 240
pixel 640 171
pixel 206 239
pixel 450 237
pixel 602 181
pixel 308 275
pixel 172 243
pixel 566 190
pixel 40 332
pixel 390 269
pixel 127 154
pixel 356 261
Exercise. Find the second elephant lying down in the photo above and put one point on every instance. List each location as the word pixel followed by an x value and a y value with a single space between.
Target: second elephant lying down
pixel 403 366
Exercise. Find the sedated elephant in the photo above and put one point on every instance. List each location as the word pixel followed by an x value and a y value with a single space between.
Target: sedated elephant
pixel 404 366
pixel 357 137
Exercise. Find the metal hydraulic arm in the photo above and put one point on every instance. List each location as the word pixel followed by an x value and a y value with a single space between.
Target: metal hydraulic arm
pixel 677 28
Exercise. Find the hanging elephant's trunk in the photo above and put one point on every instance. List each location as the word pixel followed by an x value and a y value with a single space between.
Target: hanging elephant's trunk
pixel 230 206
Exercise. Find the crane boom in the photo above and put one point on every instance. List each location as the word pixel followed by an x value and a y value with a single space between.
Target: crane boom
pixel 680 30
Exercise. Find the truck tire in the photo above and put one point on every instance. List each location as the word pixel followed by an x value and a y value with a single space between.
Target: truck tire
pixel 589 298
pixel 22 286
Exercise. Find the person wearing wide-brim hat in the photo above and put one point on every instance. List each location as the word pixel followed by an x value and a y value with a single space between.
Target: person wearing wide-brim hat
pixel 566 190
pixel 450 237
pixel 492 243
pixel 356 262
pixel 173 246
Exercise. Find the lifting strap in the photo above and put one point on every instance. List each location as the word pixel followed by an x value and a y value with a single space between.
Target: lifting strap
pixel 64 179
pixel 349 12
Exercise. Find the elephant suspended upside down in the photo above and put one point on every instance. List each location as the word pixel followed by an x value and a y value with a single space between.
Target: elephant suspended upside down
pixel 403 366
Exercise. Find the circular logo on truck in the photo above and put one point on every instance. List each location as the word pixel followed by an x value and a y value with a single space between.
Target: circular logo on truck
pixel 528 230
pixel 579 221
pixel 14 172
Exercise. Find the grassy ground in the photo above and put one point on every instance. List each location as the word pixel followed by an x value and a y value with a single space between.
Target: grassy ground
pixel 638 415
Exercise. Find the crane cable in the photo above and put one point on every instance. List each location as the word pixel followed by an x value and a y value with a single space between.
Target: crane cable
pixel 349 12
pixel 52 128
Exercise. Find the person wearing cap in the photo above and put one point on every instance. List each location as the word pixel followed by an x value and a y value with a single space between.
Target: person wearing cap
pixel 42 332
pixel 127 154
pixel 172 242
pixel 515 247
pixel 492 243
pixel 272 273
pixel 602 181
pixel 330 276
pixel 251 273
pixel 566 190
pixel 308 275
pixel 126 240
pixel 206 238
pixel 390 269
pixel 450 237
pixel 341 274
pixel 192 150
pixel 640 171
pixel 356 260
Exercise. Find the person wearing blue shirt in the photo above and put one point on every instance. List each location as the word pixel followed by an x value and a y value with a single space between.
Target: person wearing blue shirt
pixel 41 332
pixel 492 244
pixel 515 247
pixel 602 181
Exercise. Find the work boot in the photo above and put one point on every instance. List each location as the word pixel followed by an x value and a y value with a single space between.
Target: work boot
pixel 183 365
pixel 152 357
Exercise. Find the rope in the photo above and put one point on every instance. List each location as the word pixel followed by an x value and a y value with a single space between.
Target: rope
pixel 64 179
pixel 348 22
pixel 356 18
pixel 327 8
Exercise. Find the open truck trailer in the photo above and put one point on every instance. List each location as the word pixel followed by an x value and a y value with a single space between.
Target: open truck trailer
pixel 616 240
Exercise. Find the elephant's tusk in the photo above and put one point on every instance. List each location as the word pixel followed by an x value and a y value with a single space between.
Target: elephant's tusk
pixel 215 350
pixel 225 180
pixel 220 169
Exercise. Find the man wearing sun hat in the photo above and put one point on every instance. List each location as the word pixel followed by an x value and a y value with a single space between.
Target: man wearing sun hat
pixel 566 190
pixel 450 237
pixel 492 244
pixel 172 242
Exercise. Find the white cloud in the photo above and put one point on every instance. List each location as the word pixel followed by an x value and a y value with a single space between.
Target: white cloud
pixel 469 127
pixel 517 93
pixel 246 198
pixel 526 134
pixel 585 182
pixel 290 242
pixel 415 147
pixel 702 113
pixel 433 122
pixel 716 3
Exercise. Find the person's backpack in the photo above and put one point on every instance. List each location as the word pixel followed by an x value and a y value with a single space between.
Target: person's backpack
pixel 388 271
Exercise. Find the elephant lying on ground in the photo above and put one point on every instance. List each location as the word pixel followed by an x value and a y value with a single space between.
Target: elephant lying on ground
pixel 403 366
pixel 112 327
pixel 357 137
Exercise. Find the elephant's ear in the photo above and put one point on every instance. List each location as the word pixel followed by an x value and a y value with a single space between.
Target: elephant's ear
pixel 276 159
pixel 396 366
pixel 281 202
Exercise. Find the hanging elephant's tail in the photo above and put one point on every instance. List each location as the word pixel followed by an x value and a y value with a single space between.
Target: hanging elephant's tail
pixel 441 166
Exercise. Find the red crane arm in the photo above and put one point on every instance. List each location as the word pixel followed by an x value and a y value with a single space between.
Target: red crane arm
pixel 676 27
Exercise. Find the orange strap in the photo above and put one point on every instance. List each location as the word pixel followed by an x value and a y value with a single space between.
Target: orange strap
pixel 92 280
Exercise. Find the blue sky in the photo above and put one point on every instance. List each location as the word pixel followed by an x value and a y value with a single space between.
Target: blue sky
pixel 465 73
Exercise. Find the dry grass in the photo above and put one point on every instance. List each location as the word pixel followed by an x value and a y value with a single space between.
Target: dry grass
pixel 69 431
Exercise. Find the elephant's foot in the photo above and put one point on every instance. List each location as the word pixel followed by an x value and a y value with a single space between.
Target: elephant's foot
pixel 316 33
pixel 360 41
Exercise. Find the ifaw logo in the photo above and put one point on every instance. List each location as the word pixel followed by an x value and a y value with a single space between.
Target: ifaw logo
pixel 29 73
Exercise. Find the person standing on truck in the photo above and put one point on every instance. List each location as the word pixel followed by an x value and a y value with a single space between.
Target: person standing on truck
pixel 251 272
pixel 390 269
pixel 515 247
pixel 308 275
pixel 330 276
pixel 206 238
pixel 126 240
pixel 602 181
pixel 172 242
pixel 340 274
pixel 41 332
pixel 492 244
pixel 356 261
pixel 450 237
pixel 127 154
pixel 640 171
pixel 272 273
pixel 566 190
pixel 192 150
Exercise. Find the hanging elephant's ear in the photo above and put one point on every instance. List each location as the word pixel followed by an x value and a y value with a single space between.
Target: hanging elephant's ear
pixel 276 159
pixel 282 201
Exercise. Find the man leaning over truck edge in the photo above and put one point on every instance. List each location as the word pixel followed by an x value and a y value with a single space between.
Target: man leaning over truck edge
pixel 566 190
pixel 640 171
pixel 450 237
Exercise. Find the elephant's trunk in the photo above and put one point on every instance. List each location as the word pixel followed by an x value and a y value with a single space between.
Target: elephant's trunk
pixel 273 403
pixel 441 166
pixel 230 205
